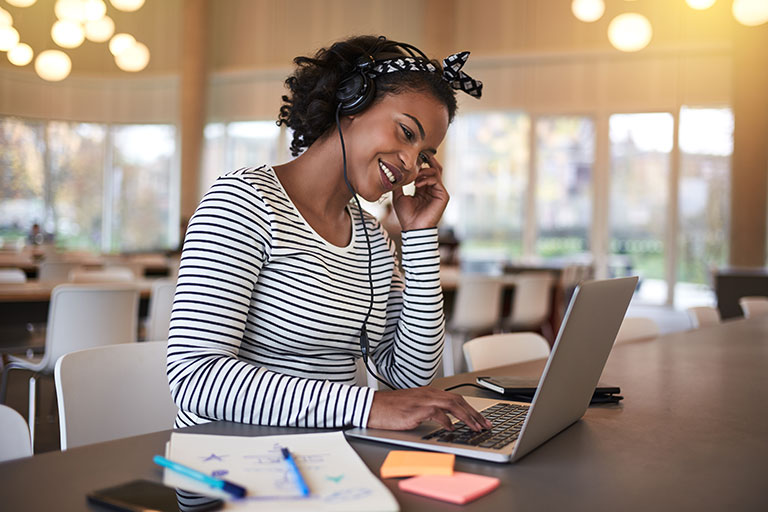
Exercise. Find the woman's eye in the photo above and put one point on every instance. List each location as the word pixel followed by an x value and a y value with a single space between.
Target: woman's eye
pixel 407 132
pixel 424 158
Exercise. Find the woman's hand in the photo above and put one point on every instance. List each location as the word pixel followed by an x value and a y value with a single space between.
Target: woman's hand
pixel 405 409
pixel 425 207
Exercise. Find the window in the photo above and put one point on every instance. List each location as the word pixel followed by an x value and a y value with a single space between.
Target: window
pixel 640 148
pixel 142 165
pixel 565 148
pixel 706 144
pixel 487 177
pixel 90 186
pixel 22 185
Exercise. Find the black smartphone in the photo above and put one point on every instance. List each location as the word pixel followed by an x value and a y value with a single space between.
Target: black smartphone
pixel 146 495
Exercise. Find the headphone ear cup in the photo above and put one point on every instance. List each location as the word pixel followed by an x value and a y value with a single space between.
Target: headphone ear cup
pixel 355 93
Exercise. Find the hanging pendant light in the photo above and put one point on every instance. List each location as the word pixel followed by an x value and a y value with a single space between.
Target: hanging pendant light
pixel 53 65
pixel 20 55
pixel 630 32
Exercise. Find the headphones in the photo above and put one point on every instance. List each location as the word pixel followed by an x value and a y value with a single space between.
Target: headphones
pixel 357 89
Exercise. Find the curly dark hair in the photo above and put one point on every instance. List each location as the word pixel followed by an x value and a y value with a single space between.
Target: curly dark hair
pixel 310 108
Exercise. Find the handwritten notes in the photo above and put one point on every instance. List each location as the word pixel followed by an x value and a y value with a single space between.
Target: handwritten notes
pixel 337 478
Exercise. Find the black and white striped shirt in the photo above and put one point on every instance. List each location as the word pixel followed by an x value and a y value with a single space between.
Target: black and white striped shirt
pixel 267 314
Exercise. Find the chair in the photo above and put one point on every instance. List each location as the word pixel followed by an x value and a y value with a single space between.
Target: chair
pixel 113 391
pixel 703 316
pixel 12 276
pixel 636 329
pixel 160 305
pixel 531 303
pixel 754 306
pixel 106 275
pixel 79 317
pixel 14 435
pixel 476 309
pixel 56 270
pixel 503 349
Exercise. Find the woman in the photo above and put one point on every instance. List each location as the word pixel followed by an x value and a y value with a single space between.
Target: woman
pixel 284 283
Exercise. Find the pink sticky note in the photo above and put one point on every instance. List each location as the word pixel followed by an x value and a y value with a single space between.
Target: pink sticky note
pixel 458 488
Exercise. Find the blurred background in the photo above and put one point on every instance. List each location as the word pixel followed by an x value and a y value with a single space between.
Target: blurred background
pixel 627 136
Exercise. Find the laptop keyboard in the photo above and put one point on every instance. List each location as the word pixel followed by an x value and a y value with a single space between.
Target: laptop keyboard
pixel 507 421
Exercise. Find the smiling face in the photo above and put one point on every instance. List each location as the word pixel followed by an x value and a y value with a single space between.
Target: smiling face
pixel 389 142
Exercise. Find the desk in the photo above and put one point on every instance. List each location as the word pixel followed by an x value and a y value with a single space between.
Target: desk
pixel 690 435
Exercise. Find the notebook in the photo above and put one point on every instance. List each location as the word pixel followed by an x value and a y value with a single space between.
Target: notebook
pixel 564 391
pixel 523 390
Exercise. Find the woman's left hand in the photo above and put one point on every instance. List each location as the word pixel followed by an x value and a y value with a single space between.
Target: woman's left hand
pixel 425 207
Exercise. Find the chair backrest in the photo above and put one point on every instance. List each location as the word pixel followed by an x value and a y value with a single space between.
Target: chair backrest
pixel 106 275
pixel 160 305
pixel 637 328
pixel 113 391
pixel 532 300
pixel 12 275
pixel 753 306
pixel 703 316
pixel 89 315
pixel 477 304
pixel 14 435
pixel 56 270
pixel 503 349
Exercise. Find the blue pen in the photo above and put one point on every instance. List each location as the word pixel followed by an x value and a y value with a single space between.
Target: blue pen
pixel 296 473
pixel 233 489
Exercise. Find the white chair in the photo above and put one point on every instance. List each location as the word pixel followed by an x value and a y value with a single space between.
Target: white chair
pixel 14 435
pixel 703 316
pixel 532 302
pixel 106 275
pixel 113 391
pixel 12 276
pixel 476 309
pixel 636 329
pixel 56 271
pixel 160 305
pixel 753 306
pixel 503 349
pixel 79 317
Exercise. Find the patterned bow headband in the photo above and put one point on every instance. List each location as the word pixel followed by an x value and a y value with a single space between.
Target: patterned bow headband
pixel 452 72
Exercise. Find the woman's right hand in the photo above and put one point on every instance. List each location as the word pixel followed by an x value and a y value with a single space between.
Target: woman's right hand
pixel 405 409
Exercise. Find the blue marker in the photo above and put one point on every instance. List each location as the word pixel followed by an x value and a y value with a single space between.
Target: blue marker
pixel 233 489
pixel 303 489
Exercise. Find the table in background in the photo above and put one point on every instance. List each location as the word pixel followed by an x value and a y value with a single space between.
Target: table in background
pixel 733 283
pixel 690 435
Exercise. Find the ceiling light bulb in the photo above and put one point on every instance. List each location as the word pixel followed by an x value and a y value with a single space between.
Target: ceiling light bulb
pixel 73 10
pixel 21 3
pixel 127 5
pixel 100 30
pixel 700 5
pixel 9 38
pixel 134 58
pixel 94 9
pixel 6 20
pixel 630 32
pixel 750 12
pixel 121 42
pixel 588 10
pixel 67 34
pixel 53 65
pixel 20 55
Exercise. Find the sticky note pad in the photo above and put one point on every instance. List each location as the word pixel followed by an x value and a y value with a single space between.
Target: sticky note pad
pixel 408 463
pixel 458 488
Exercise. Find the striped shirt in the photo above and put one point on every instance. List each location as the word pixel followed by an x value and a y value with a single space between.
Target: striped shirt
pixel 266 320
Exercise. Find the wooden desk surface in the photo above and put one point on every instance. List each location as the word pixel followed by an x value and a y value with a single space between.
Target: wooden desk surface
pixel 690 435
pixel 39 291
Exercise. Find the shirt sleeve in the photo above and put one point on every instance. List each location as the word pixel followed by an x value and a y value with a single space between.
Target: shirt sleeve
pixel 410 355
pixel 226 245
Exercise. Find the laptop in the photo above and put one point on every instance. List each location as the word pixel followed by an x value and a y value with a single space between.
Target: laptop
pixel 566 386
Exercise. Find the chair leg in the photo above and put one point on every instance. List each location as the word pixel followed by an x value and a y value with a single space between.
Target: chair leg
pixel 32 411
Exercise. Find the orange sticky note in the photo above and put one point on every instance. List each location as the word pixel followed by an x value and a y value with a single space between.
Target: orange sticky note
pixel 407 463
pixel 458 488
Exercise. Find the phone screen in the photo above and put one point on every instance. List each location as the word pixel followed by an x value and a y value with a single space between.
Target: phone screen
pixel 145 495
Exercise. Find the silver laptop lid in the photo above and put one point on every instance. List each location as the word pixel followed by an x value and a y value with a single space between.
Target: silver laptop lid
pixel 574 367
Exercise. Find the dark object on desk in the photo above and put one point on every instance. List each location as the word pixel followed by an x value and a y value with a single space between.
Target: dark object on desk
pixel 733 283
pixel 523 390
pixel 142 495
